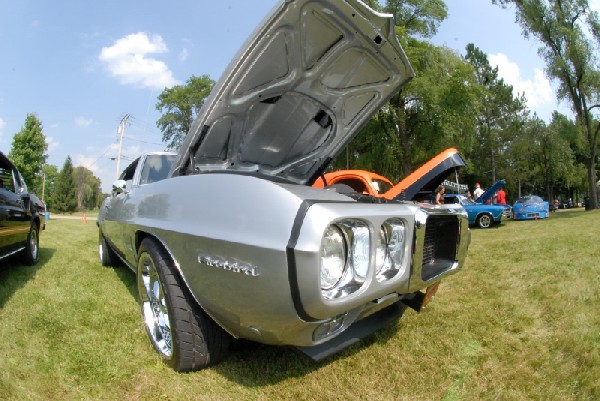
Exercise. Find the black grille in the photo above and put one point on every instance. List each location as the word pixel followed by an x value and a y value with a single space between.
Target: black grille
pixel 439 247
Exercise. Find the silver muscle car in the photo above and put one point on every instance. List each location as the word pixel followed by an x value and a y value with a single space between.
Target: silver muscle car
pixel 227 237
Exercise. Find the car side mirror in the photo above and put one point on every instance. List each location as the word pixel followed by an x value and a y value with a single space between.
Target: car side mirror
pixel 119 186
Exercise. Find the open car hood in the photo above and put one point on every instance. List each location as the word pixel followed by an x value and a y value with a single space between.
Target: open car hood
pixel 297 92
pixel 490 191
pixel 428 177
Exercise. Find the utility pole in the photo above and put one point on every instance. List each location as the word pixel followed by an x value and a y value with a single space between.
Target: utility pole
pixel 43 186
pixel 121 132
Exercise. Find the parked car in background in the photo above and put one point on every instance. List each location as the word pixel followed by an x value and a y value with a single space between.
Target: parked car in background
pixel 234 241
pixel 530 207
pixel 417 186
pixel 361 181
pixel 480 213
pixel 22 215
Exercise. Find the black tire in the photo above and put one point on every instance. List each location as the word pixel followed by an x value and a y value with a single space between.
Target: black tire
pixel 181 332
pixel 31 253
pixel 107 255
pixel 484 220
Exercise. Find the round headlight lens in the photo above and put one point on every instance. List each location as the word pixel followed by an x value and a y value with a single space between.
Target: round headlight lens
pixel 333 257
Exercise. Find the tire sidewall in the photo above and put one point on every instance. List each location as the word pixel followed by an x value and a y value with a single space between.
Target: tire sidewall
pixel 149 247
pixel 482 218
pixel 32 255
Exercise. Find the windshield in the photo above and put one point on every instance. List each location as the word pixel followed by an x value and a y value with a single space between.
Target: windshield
pixel 466 201
pixel 530 199
pixel 380 186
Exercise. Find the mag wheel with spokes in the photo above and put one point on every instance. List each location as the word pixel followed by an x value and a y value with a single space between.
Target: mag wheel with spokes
pixel 32 247
pixel 181 332
pixel 484 221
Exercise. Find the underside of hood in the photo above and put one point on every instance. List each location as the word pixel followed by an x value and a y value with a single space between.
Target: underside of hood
pixel 298 91
pixel 428 177
pixel 487 195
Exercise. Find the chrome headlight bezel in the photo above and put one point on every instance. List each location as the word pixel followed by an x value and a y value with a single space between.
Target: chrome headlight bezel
pixel 357 259
pixel 391 247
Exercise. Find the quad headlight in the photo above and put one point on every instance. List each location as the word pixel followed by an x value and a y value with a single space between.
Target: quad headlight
pixel 390 249
pixel 333 257
pixel 346 255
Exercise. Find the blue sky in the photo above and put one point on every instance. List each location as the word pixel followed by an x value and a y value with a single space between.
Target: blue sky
pixel 81 66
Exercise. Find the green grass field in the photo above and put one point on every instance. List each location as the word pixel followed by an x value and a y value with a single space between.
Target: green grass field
pixel 520 322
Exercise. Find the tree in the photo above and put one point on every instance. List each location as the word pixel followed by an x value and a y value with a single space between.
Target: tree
pixel 498 110
pixel 181 105
pixel 65 198
pixel 569 33
pixel 50 174
pixel 28 152
pixel 87 188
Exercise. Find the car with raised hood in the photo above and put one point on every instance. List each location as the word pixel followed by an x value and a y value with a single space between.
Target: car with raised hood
pixel 22 215
pixel 481 213
pixel 417 186
pixel 234 242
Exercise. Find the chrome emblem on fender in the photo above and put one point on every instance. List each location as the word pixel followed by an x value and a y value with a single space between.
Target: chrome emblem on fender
pixel 230 265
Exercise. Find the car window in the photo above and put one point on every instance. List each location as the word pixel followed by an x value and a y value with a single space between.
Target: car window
pixel 381 186
pixel 6 179
pixel 356 184
pixel 530 199
pixel 156 168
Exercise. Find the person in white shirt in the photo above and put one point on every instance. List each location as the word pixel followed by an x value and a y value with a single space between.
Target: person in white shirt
pixel 478 191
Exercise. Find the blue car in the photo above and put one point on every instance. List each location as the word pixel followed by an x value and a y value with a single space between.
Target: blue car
pixel 480 214
pixel 530 207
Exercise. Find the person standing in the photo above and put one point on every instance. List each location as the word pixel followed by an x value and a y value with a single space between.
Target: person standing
pixel 501 197
pixel 477 192
pixel 439 195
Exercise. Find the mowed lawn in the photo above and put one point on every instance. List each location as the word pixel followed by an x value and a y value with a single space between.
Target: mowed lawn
pixel 520 322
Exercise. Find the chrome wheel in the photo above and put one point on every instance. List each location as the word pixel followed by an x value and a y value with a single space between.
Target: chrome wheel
pixel 34 244
pixel 154 305
pixel 485 221
pixel 30 254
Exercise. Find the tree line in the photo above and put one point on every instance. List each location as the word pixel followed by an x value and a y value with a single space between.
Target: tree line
pixel 460 101
pixel 454 101
pixel 68 190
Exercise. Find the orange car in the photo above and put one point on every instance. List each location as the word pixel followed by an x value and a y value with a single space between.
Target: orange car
pixel 416 186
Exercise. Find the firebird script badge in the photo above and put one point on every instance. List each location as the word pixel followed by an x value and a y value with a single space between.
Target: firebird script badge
pixel 230 265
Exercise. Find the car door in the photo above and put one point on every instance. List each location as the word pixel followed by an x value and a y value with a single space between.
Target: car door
pixel 14 204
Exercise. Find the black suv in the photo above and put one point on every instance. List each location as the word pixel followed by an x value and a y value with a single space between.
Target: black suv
pixel 22 215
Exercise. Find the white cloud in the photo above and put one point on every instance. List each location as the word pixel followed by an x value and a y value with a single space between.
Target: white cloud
pixel 83 122
pixel 104 168
pixel 183 55
pixel 2 123
pixel 537 90
pixel 53 144
pixel 595 5
pixel 128 60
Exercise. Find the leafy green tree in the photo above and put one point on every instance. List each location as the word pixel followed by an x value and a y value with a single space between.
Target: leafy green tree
pixel 87 188
pixel 65 199
pixel 497 112
pixel 50 174
pixel 28 152
pixel 180 105
pixel 569 33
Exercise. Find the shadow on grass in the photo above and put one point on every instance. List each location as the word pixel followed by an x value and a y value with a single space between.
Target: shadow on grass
pixel 14 274
pixel 252 364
